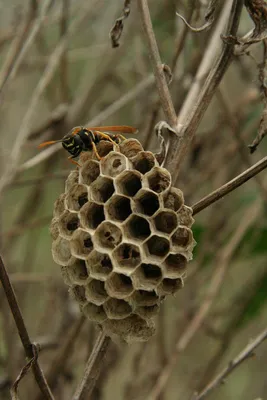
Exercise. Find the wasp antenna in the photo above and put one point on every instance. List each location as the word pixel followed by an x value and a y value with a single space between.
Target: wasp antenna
pixel 48 143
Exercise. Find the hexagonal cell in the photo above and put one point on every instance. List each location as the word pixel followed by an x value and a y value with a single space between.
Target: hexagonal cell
pixel 104 148
pixel 146 202
pixel 159 179
pixel 118 208
pixel 137 228
pixel 99 265
pixel 72 179
pixel 117 309
pixel 102 189
pixel 129 183
pixel 54 231
pixel 174 199
pixel 169 286
pixel 81 244
pixel 175 265
pixel 144 161
pixel 127 256
pixel 68 223
pixel 147 276
pixel 108 235
pixel 157 246
pixel 76 197
pixel 144 298
pixel 94 313
pixel 166 221
pixel 92 214
pixel 89 172
pixel 59 206
pixel 131 329
pixel 113 164
pixel 130 147
pixel 119 286
pixel 185 216
pixel 148 311
pixel 61 252
pixel 182 237
pixel 78 272
pixel 78 293
pixel 95 292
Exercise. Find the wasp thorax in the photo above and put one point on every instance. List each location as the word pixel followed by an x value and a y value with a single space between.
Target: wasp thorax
pixel 122 235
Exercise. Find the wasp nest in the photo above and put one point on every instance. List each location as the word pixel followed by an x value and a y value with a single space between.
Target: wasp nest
pixel 122 235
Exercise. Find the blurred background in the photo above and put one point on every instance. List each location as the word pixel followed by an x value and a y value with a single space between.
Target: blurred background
pixel 68 74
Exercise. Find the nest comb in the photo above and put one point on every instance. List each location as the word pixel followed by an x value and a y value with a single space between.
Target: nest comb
pixel 122 235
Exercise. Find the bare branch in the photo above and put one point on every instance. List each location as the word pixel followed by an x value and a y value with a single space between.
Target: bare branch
pixel 209 17
pixel 92 368
pixel 162 85
pixel 23 333
pixel 246 353
pixel 229 186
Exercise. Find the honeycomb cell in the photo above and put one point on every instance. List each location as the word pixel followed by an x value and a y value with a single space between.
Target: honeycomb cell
pixel 144 298
pixel 78 272
pixel 119 286
pixel 175 265
pixel 68 223
pixel 182 237
pixel 92 214
pixel 113 164
pixel 78 293
pixel 118 208
pixel 147 311
pixel 72 179
pixel 159 179
pixel 117 309
pixel 137 228
pixel 130 147
pixel 108 235
pixel 132 328
pixel 59 206
pixel 147 276
pixel 66 276
pixel 129 183
pixel 89 172
pixel 94 313
pixel 144 161
pixel 99 265
pixel 81 244
pixel 127 256
pixel 95 292
pixel 61 252
pixel 102 189
pixel 54 231
pixel 76 197
pixel 185 216
pixel 157 246
pixel 104 148
pixel 166 221
pixel 174 199
pixel 146 203
pixel 169 286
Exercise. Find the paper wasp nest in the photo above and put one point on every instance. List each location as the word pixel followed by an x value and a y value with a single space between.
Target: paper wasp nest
pixel 122 235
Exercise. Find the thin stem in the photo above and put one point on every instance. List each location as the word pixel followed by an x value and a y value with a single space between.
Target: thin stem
pixel 92 369
pixel 229 186
pixel 23 333
pixel 246 353
pixel 162 86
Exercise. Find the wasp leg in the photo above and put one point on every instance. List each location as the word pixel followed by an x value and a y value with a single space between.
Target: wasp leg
pixel 70 158
pixel 121 137
pixel 95 151
pixel 105 137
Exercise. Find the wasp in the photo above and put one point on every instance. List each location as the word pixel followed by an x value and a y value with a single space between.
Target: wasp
pixel 83 139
